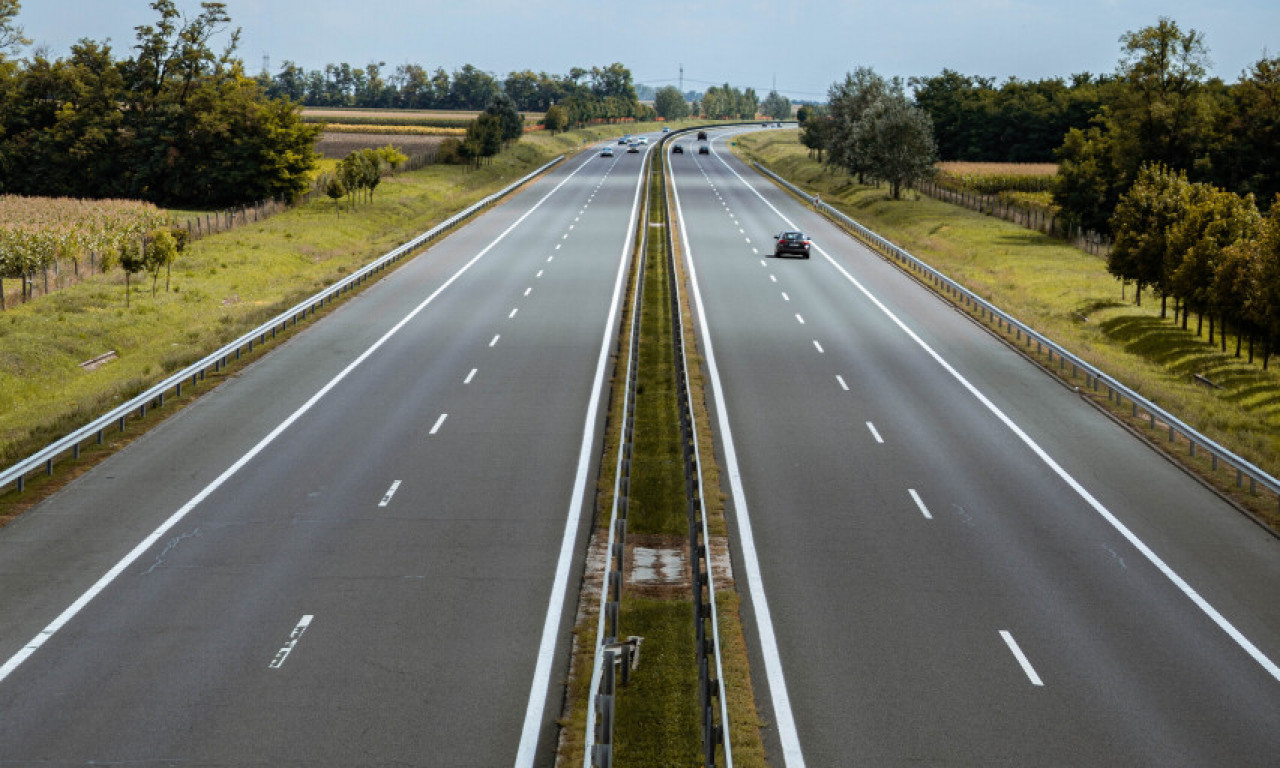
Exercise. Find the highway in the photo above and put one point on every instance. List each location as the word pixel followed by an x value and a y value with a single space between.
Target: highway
pixel 948 558
pixel 363 550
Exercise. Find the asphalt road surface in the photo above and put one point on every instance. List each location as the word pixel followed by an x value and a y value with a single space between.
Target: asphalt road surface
pixel 364 550
pixel 949 558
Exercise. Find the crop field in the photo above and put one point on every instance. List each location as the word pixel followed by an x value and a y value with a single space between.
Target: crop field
pixel 337 145
pixel 994 178
pixel 39 235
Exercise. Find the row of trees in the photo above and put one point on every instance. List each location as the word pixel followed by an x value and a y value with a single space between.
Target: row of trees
pixel 871 130
pixel 1163 109
pixel 177 123
pixel 411 86
pixel 1208 249
pixel 362 170
pixel 1021 121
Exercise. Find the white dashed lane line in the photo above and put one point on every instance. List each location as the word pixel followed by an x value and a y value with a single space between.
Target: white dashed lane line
pixel 386 497
pixel 470 376
pixel 818 347
pixel 439 423
pixel 840 380
pixel 875 433
pixel 1021 657
pixel 494 341
pixel 920 503
pixel 294 637
pixel 799 318
pixel 513 313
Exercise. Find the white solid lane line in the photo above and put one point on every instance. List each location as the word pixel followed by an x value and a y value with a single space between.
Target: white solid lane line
pixel 875 433
pixel 294 636
pixel 386 498
pixel 1021 657
pixel 438 424
pixel 920 503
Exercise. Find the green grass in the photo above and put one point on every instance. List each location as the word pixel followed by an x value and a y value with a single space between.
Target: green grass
pixel 657 721
pixel 1065 294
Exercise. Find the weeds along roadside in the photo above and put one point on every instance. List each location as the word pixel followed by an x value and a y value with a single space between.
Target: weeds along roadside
pixel 1068 296
pixel 222 286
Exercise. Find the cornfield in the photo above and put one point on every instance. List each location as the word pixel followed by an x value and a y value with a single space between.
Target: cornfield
pixel 994 178
pixel 36 232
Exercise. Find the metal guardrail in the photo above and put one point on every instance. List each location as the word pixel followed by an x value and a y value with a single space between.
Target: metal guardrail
pixel 216 361
pixel 1095 378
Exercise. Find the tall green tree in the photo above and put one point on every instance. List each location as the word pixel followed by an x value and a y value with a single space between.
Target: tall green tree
pixel 504 108
pixel 11 38
pixel 895 140
pixel 1161 112
pixel 1142 252
pixel 669 103
pixel 1213 220
pixel 777 106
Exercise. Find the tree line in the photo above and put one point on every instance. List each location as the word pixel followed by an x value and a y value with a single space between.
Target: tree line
pixel 176 122
pixel 586 94
pixel 1159 106
pixel 1208 249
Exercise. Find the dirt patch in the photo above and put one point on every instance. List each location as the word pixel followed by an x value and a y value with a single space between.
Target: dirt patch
pixel 338 145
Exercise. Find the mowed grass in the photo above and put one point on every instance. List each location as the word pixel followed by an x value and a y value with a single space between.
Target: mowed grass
pixel 1065 294
pixel 221 287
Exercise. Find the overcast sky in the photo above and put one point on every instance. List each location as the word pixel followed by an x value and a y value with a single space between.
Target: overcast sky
pixel 801 45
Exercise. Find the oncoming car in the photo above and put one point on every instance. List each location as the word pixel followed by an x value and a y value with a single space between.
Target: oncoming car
pixel 791 242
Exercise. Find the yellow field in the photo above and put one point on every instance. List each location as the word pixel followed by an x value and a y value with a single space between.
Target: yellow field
pixel 997 169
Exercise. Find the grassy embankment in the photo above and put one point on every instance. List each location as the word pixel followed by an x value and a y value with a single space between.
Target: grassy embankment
pixel 1068 295
pixel 221 287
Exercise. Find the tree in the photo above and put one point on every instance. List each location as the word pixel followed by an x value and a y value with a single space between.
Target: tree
pixel 503 107
pixel 896 142
pixel 776 106
pixel 1249 160
pixel 1141 223
pixel 669 103
pixel 335 190
pixel 1160 112
pixel 160 252
pixel 846 102
pixel 815 130
pixel 556 119
pixel 132 261
pixel 1213 220
pixel 11 37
